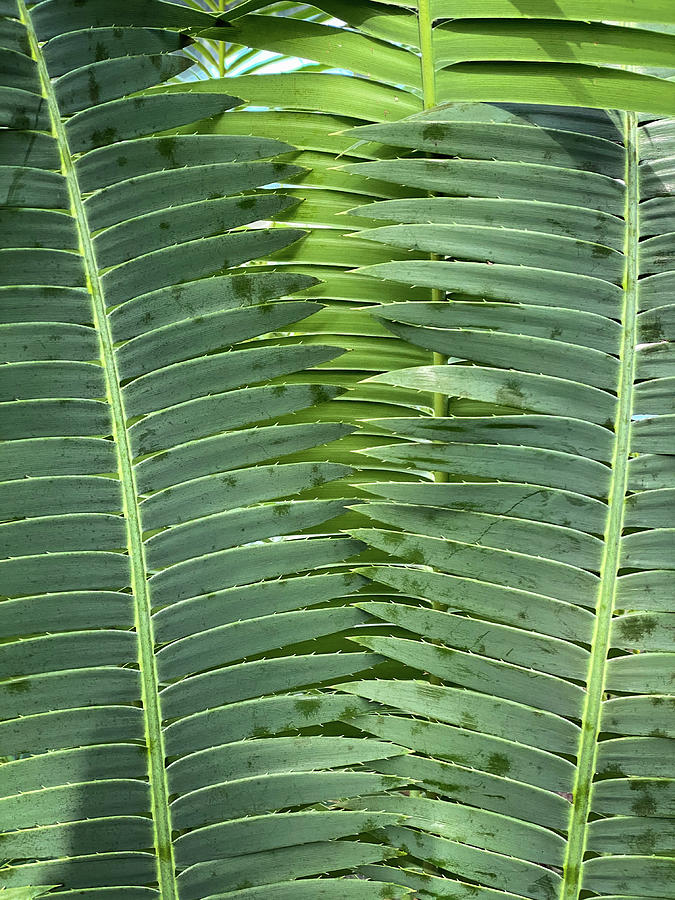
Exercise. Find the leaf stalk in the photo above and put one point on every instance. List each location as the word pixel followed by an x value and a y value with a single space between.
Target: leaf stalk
pixel 595 684
pixel 425 28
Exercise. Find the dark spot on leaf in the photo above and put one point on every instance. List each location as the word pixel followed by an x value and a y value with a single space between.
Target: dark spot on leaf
pixel 498 764
pixel 511 393
pixel 652 331
pixel 308 706
pixel 94 89
pixel 645 843
pixel 103 136
pixel 645 805
pixel 166 147
pixel 434 132
pixel 20 120
pixel 634 628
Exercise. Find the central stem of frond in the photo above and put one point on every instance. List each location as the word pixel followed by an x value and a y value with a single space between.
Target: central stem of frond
pixel 595 686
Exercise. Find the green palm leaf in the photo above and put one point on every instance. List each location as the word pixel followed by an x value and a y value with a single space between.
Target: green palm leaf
pixel 507 53
pixel 161 548
pixel 534 584
pixel 183 717
pixel 406 57
pixel 325 195
pixel 219 57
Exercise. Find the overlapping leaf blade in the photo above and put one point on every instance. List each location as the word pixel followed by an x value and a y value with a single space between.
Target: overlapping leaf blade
pixel 561 60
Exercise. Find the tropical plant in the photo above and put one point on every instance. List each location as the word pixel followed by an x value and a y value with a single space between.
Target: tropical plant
pixel 147 450
pixel 217 58
pixel 195 724
pixel 401 65
pixel 545 566
pixel 550 198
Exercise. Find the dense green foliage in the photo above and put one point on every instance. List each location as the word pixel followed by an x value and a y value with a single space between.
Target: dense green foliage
pixel 285 621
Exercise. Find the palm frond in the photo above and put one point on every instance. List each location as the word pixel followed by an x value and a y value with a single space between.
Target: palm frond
pixel 210 691
pixel 535 583
pixel 219 57
pixel 388 63
pixel 173 601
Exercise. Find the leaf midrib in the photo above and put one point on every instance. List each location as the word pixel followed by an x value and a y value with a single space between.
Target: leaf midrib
pixel 591 719
pixel 428 76
pixel 159 791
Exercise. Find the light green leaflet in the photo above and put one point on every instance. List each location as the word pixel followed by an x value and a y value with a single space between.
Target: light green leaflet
pixel 502 51
pixel 162 639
